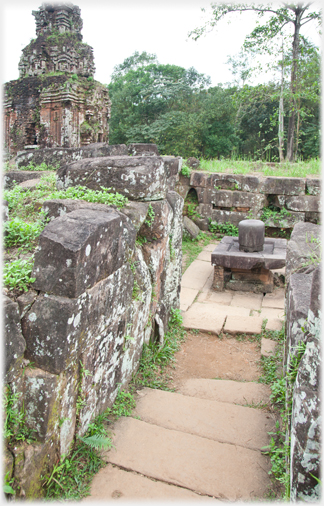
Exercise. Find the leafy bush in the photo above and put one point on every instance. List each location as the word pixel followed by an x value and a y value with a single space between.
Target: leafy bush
pixel 185 171
pixel 18 232
pixel 222 228
pixel 16 274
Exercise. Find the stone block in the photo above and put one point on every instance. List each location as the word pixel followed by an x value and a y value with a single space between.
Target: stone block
pixel 41 400
pixel 218 279
pixel 225 181
pixel 196 275
pixel 222 216
pixel 255 286
pixel 315 218
pixel 136 177
pixel 260 275
pixel 62 156
pixel 243 325
pixel 303 245
pixel 288 220
pixel 250 301
pixel 157 224
pixel 250 183
pixel 32 462
pixel 313 186
pixel 198 179
pixel 283 186
pixel 187 296
pixel 307 203
pixel 56 328
pixel 275 299
pixel 306 426
pixel 30 184
pixel 19 176
pixel 204 317
pixel 190 227
pixel 79 249
pixel 55 208
pixel 15 343
pixel 268 347
pixel 138 149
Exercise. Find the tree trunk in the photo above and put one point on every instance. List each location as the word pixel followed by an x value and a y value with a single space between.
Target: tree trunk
pixel 292 118
pixel 281 114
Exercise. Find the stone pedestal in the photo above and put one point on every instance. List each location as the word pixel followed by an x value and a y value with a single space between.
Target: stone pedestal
pixel 247 271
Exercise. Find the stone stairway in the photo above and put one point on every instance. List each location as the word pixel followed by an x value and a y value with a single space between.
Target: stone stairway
pixel 199 442
pixel 202 442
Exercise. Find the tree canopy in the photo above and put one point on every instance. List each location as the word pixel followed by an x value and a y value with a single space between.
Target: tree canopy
pixel 178 110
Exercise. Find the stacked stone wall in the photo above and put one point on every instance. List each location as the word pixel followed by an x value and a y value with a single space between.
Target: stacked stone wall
pixel 106 281
pixel 303 318
pixel 234 197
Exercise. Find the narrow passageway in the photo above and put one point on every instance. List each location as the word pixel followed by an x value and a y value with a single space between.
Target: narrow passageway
pixel 203 441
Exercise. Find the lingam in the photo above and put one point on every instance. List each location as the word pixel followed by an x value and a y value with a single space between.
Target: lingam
pixel 246 262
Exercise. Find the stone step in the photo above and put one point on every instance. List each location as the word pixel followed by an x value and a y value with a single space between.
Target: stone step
pixel 219 421
pixel 225 471
pixel 235 392
pixel 112 483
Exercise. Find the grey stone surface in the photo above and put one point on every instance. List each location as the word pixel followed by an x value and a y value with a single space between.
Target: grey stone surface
pixel 302 247
pixel 13 338
pixel 61 156
pixel 251 235
pixel 19 176
pixel 304 328
pixel 190 227
pixel 313 186
pixel 136 177
pixel 227 254
pixel 283 186
pixel 79 249
pixel 141 149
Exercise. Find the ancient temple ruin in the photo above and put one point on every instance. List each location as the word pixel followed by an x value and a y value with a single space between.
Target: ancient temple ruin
pixel 55 102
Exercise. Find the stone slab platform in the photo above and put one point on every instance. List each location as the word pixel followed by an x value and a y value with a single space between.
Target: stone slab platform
pixel 227 254
pixel 112 483
pixel 235 392
pixel 221 470
pixel 217 421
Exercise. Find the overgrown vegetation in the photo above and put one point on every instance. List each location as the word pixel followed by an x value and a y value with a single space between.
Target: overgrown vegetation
pixel 282 383
pixel 155 358
pixel 222 228
pixel 26 222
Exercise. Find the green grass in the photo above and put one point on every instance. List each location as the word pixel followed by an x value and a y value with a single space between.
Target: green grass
pixel 298 169
pixel 155 358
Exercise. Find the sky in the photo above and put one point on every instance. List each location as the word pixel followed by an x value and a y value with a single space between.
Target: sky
pixel 117 28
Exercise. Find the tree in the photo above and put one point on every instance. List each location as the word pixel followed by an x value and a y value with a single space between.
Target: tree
pixel 156 103
pixel 296 15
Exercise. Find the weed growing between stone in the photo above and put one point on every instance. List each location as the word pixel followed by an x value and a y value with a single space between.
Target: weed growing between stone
pixel 151 371
pixel 72 475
